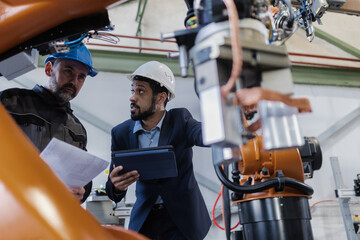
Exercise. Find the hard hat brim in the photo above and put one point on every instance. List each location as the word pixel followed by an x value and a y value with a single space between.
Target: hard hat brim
pixel 92 71
pixel 131 77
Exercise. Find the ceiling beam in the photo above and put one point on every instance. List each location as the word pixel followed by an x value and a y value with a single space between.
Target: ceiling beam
pixel 325 76
pixel 337 42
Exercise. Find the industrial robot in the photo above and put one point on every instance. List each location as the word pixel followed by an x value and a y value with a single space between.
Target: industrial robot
pixel 244 84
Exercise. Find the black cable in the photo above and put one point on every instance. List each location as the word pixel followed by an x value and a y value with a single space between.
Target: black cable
pixel 236 180
pixel 290 22
pixel 289 182
pixel 115 205
pixel 226 205
pixel 244 189
pixel 274 182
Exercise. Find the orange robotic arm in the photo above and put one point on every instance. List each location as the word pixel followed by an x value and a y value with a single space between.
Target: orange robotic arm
pixel 35 204
pixel 21 21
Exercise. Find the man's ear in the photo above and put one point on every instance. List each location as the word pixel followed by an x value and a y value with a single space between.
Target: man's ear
pixel 49 68
pixel 162 97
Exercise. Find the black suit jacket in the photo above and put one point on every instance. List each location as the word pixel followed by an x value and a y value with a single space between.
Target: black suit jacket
pixel 181 194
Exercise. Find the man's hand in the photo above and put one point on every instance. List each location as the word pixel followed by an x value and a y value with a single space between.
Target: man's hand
pixel 123 181
pixel 78 192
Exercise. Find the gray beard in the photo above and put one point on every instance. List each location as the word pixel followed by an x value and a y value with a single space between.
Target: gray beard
pixel 60 94
pixel 63 96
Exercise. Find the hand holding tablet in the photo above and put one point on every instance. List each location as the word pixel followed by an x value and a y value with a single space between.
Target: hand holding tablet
pixel 151 163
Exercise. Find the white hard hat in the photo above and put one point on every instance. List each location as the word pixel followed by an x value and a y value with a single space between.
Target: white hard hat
pixel 158 72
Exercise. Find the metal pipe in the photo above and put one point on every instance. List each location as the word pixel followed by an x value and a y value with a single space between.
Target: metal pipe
pixel 144 38
pixel 129 47
pixel 326 57
pixel 324 65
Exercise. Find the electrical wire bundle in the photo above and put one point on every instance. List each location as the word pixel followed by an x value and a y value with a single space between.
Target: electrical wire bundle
pixel 101 34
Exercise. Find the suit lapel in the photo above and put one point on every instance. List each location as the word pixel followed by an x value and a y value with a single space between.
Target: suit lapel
pixel 166 130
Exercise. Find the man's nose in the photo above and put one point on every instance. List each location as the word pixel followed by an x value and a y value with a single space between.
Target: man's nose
pixel 132 98
pixel 75 79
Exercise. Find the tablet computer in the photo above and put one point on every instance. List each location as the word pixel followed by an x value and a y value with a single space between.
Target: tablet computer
pixel 151 163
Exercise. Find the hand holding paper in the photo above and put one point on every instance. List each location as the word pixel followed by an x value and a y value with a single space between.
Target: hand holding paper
pixel 74 166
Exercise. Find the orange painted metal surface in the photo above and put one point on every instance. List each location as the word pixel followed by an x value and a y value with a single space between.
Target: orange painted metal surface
pixel 35 204
pixel 121 233
pixel 255 158
pixel 21 20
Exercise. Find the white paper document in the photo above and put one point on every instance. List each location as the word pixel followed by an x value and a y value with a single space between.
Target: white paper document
pixel 74 166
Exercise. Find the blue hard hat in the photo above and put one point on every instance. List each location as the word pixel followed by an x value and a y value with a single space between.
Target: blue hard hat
pixel 80 53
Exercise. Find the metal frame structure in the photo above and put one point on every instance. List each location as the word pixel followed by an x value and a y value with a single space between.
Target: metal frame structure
pixel 344 195
pixel 339 125
pixel 139 17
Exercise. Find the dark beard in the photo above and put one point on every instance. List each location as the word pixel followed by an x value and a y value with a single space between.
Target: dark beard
pixel 63 96
pixel 144 115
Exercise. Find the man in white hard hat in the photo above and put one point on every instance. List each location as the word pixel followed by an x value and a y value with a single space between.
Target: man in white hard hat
pixel 44 112
pixel 170 208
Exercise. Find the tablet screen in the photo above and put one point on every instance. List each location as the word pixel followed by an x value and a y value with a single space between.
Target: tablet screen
pixel 151 163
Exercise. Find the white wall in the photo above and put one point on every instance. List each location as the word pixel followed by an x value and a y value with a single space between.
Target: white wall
pixel 330 106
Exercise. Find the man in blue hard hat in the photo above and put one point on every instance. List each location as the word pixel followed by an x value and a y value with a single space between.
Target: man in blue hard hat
pixel 44 112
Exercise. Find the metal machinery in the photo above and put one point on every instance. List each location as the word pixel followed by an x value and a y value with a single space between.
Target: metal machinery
pixel 34 203
pixel 243 80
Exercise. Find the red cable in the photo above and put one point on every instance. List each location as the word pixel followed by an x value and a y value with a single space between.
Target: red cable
pixel 213 212
pixel 312 206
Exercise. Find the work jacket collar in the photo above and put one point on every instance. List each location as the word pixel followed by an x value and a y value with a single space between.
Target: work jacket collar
pixel 48 97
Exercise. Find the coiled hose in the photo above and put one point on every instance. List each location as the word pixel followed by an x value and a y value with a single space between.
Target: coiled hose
pixel 271 183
